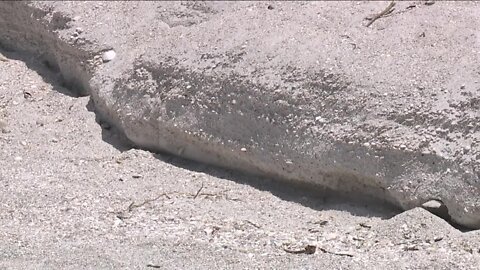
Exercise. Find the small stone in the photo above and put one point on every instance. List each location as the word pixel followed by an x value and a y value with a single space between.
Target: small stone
pixel 243 149
pixel 320 119
pixel 403 146
pixel 79 30
pixel 54 140
pixel 331 236
pixel 109 55
pixel 18 158
pixel 117 222
pixel 208 231
pixel 136 176
pixel 432 204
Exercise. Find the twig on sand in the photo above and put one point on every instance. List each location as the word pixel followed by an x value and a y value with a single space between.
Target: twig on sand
pixel 253 224
pixel 308 249
pixel 122 214
pixel 133 205
pixel 386 11
pixel 340 253
pixel 198 192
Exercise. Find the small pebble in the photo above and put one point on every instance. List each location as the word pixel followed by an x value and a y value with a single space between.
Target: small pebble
pixel 109 55
pixel 432 204
pixel 54 140
pixel 243 149
pixel 136 176
pixel 320 119
pixel 331 236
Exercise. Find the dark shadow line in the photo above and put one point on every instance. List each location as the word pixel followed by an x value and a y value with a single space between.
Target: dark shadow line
pixel 310 196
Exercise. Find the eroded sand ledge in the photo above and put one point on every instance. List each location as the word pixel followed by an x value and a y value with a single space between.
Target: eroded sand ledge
pixel 283 92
